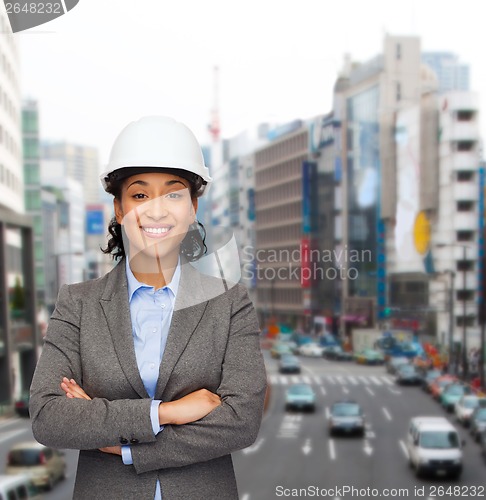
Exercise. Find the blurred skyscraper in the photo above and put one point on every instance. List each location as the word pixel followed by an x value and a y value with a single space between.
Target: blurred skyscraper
pixel 450 72
pixel 19 337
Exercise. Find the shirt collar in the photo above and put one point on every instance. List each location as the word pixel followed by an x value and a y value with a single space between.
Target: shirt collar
pixel 134 284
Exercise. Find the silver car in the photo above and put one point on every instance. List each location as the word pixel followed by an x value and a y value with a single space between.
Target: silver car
pixel 346 417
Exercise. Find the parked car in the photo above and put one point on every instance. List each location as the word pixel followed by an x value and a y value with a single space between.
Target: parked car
pixel 18 487
pixel 337 352
pixel 346 417
pixel 369 357
pixel 452 393
pixel 428 377
pixel 465 407
pixel 289 364
pixel 477 422
pixel 437 386
pixel 434 446
pixel 393 363
pixel 407 374
pixel 46 466
pixel 311 349
pixel 300 397
pixel 22 405
pixel 280 348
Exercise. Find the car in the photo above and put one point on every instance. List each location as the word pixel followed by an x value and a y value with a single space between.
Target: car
pixel 22 405
pixel 477 422
pixel 428 377
pixel 300 397
pixel 465 406
pixel 393 363
pixel 452 393
pixel 46 466
pixel 437 386
pixel 289 364
pixel 337 352
pixel 18 487
pixel 369 357
pixel 311 349
pixel 407 374
pixel 280 348
pixel 433 446
pixel 346 417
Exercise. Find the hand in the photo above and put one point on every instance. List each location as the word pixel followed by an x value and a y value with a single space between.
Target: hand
pixel 188 409
pixel 73 390
pixel 114 450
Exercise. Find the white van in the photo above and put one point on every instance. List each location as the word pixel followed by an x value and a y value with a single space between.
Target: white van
pixel 434 446
pixel 19 487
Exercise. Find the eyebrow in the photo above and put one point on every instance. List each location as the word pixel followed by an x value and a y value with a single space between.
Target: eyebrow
pixel 168 183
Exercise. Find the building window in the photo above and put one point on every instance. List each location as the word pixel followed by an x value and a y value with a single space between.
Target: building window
pixel 465 116
pixel 465 176
pixel 465 265
pixel 469 321
pixel 465 206
pixel 465 145
pixel 465 235
pixel 399 91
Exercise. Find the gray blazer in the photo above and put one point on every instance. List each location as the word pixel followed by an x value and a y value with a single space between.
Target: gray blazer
pixel 213 343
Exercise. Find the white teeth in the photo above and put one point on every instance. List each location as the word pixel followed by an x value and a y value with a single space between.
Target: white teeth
pixel 156 230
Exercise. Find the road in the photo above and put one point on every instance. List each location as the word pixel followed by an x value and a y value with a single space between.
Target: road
pixel 293 450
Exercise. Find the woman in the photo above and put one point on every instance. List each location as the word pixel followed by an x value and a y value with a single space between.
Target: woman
pixel 153 371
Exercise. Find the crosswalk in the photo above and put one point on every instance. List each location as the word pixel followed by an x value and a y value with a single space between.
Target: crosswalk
pixel 332 380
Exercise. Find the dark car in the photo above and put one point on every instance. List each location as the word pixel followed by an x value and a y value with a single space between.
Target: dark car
pixel 22 405
pixel 346 417
pixel 336 352
pixel 407 374
pixel 477 422
pixel 289 364
pixel 393 363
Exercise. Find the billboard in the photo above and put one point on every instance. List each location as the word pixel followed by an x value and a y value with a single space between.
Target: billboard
pixel 95 222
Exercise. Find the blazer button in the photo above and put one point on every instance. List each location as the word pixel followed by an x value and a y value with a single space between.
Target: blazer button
pixel 123 440
pixel 134 441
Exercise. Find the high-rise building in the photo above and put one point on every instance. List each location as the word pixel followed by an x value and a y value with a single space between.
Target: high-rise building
pixel 19 333
pixel 451 73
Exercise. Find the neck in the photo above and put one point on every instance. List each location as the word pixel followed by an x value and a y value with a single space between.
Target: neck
pixel 153 272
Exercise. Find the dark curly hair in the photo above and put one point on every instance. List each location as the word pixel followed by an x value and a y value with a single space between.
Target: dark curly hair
pixel 193 246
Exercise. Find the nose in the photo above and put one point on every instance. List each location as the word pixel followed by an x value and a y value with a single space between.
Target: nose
pixel 156 209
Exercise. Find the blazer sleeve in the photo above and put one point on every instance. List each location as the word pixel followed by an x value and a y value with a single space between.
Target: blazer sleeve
pixel 61 422
pixel 235 423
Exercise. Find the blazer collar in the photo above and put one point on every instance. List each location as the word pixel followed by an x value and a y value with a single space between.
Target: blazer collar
pixel 191 301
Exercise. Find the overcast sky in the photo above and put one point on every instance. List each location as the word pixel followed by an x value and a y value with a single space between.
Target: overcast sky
pixel 108 62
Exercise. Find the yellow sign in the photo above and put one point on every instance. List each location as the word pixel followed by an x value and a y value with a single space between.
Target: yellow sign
pixel 421 233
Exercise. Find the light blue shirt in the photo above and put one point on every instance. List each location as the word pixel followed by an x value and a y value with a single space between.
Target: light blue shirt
pixel 151 313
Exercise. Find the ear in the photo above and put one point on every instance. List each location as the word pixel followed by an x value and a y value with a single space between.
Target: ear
pixel 118 211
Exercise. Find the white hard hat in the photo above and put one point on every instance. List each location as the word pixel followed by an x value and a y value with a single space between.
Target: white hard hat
pixel 157 142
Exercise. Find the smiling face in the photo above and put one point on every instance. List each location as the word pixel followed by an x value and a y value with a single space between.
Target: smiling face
pixel 155 211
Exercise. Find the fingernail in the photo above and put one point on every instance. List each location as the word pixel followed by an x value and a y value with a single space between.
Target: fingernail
pixel 73 381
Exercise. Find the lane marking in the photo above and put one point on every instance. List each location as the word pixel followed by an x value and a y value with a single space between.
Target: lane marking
pixel 5 436
pixel 364 380
pixel 345 390
pixel 375 380
pixel 370 391
pixel 332 451
pixel 404 449
pixel 341 379
pixel 295 379
pixel 283 380
pixel 9 422
pixel 327 413
pixel 323 391
pixel 388 380
pixel 352 380
pixel 255 447
pixel 317 380
pixel 331 379
pixel 273 379
pixel 387 414
pixel 306 379
pixel 307 448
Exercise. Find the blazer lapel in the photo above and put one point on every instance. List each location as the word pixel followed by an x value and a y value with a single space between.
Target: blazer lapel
pixel 190 304
pixel 117 313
